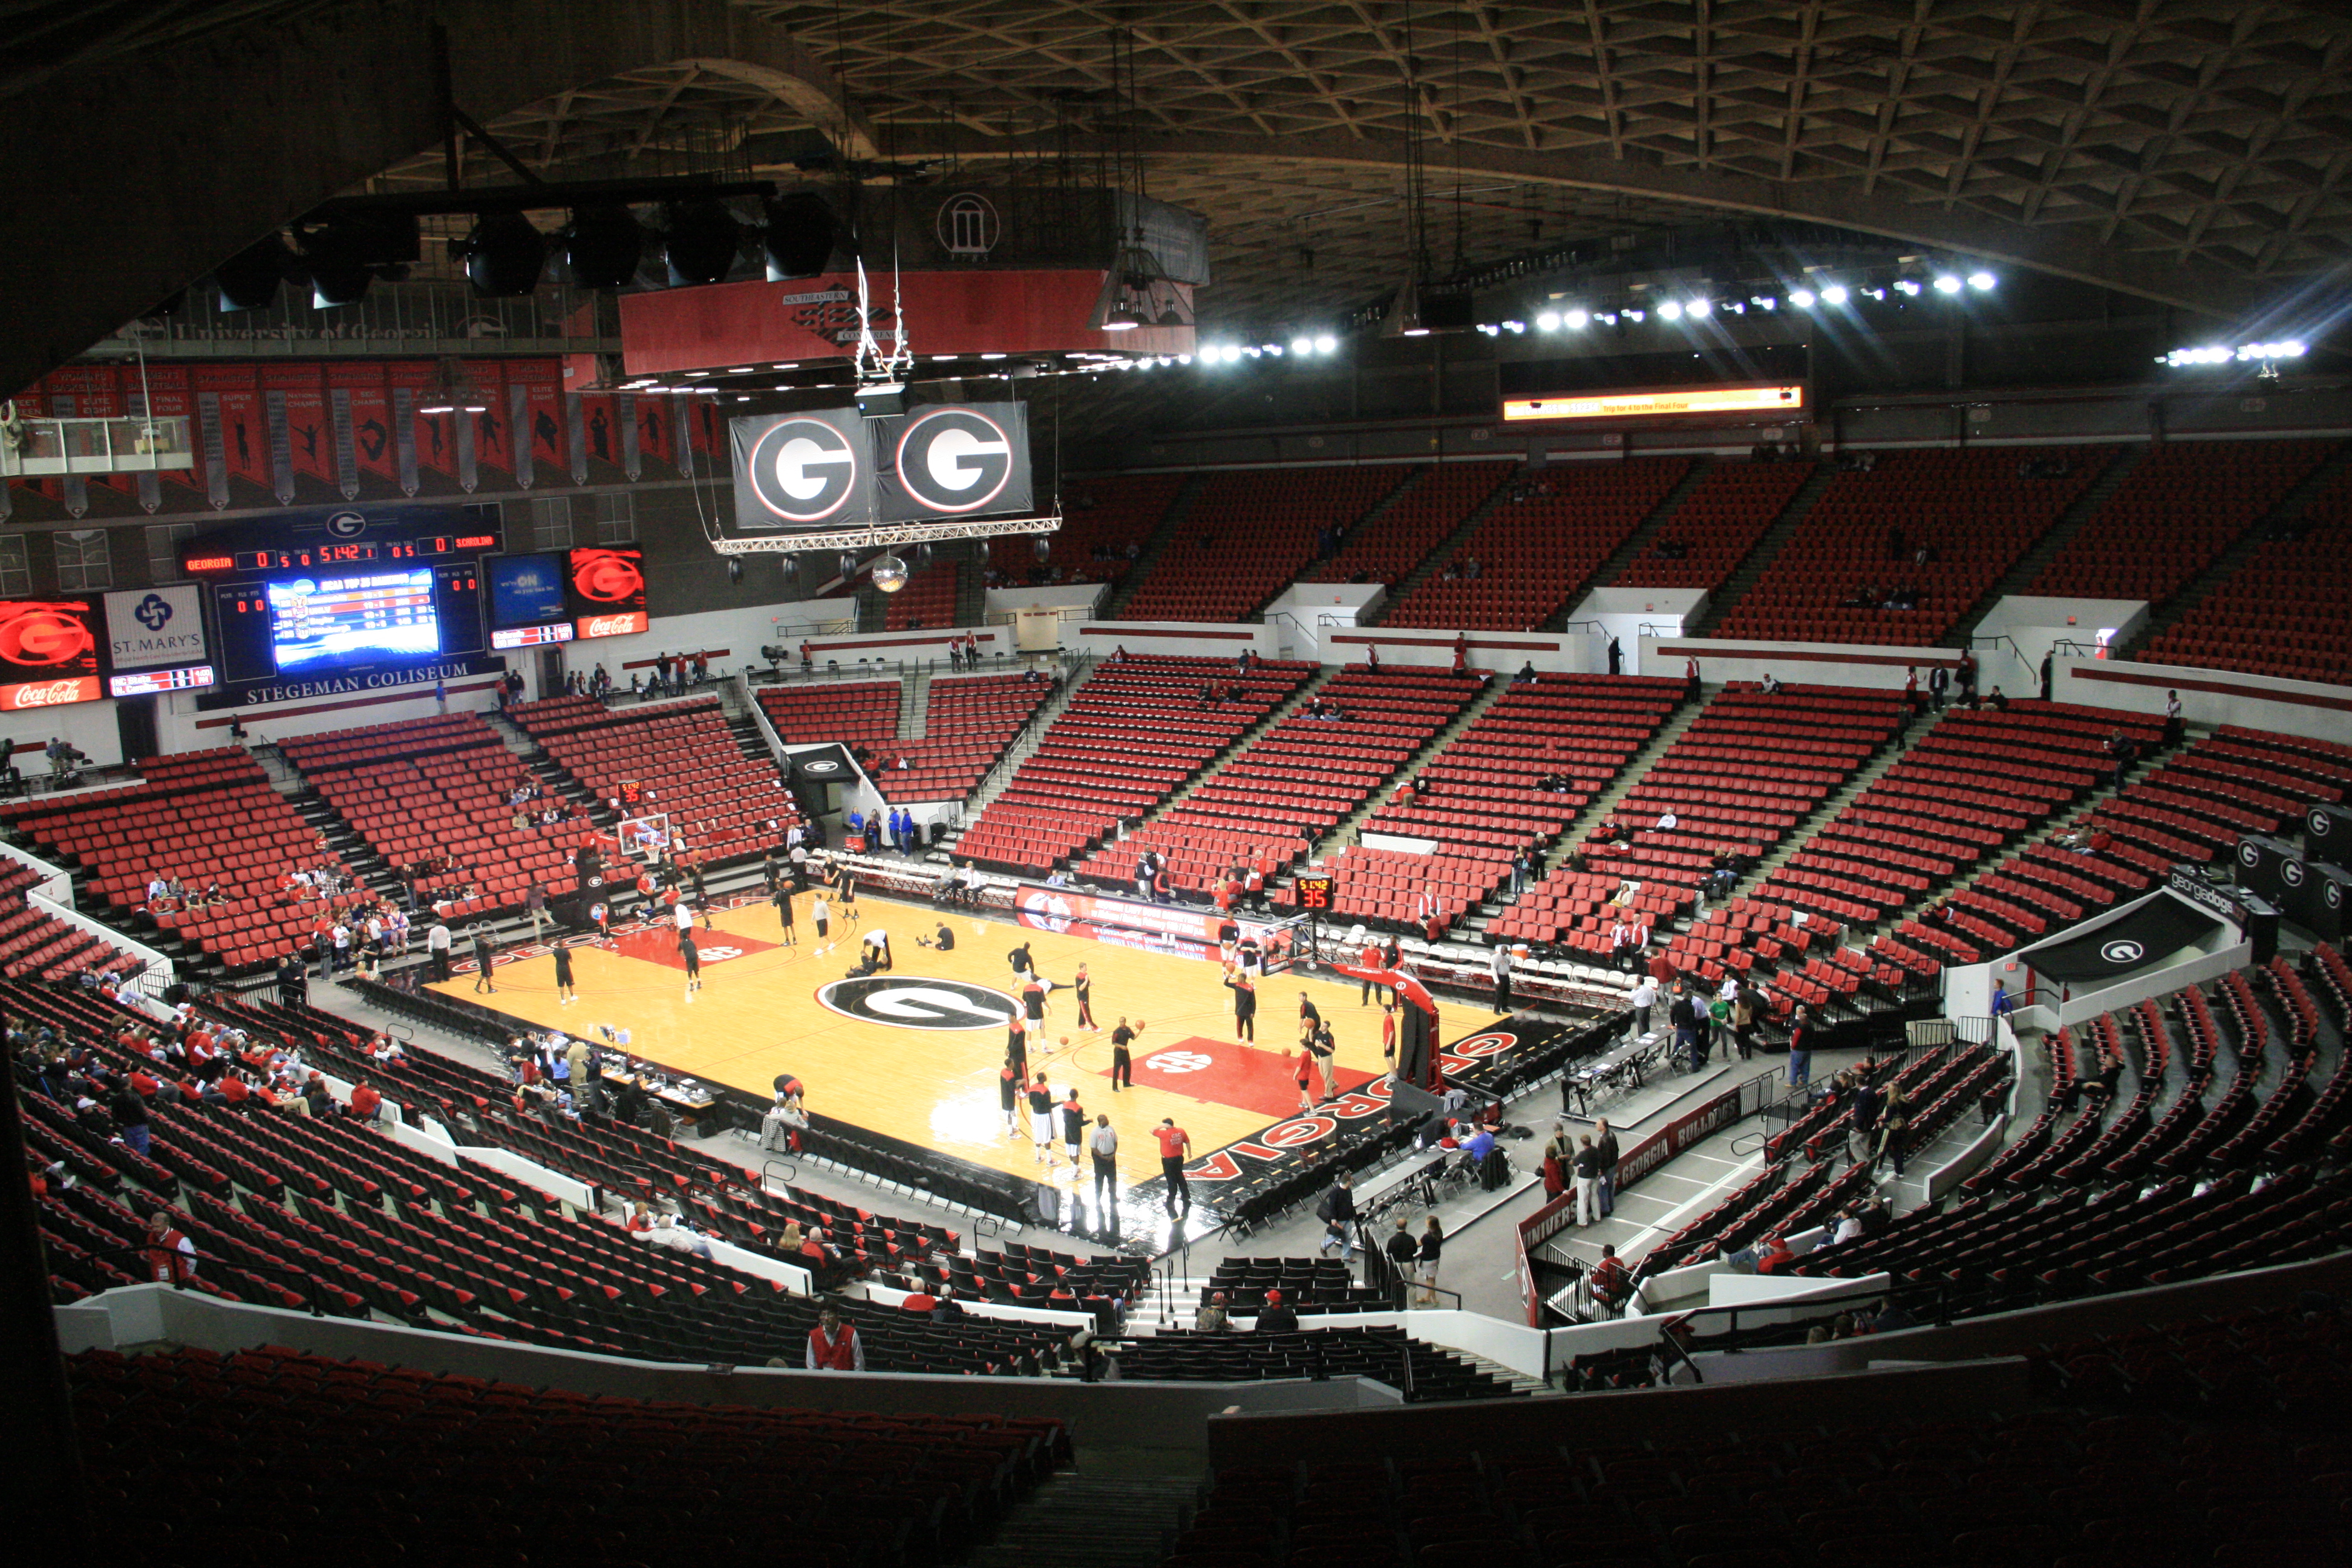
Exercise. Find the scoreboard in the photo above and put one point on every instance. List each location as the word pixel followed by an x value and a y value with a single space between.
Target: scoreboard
pixel 197 561
pixel 1315 892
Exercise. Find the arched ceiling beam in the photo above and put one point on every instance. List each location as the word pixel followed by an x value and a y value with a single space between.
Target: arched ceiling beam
pixel 132 176
pixel 1936 223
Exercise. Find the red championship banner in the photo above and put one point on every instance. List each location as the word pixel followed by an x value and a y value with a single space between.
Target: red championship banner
pixel 600 435
pixel 494 437
pixel 1043 311
pixel 540 422
pixel 49 653
pixel 91 392
pixel 362 399
pixel 656 420
pixel 230 395
pixel 168 397
pixel 302 392
pixel 705 427
pixel 433 438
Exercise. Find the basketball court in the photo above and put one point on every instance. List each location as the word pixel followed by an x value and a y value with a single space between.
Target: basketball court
pixel 914 1053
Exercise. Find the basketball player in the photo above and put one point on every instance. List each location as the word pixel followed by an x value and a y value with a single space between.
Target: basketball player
pixel 1073 1126
pixel 564 995
pixel 1008 1091
pixel 1321 1049
pixel 1387 1033
pixel 1033 1000
pixel 687 950
pixel 1122 1065
pixel 1016 1044
pixel 782 900
pixel 1305 1077
pixel 1086 990
pixel 1175 1143
pixel 601 913
pixel 822 914
pixel 1253 957
pixel 1040 1118
pixel 1309 1018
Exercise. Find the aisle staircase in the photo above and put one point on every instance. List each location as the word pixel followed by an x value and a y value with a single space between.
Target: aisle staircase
pixel 2019 578
pixel 1752 565
pixel 1351 826
pixel 1445 550
pixel 1637 542
pixel 1178 509
pixel 1081 1519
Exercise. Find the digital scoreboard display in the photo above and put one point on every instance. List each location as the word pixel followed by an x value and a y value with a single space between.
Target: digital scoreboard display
pixel 332 622
pixel 156 682
pixel 1669 401
pixel 199 562
pixel 1315 892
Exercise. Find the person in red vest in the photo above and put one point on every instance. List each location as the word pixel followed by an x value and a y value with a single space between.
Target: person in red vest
pixel 171 1256
pixel 834 1345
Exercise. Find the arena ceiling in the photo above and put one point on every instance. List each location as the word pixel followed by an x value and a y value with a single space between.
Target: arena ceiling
pixel 2189 152
pixel 2167 147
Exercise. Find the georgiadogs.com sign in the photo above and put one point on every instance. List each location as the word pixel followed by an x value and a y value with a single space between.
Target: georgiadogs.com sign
pixel 257 694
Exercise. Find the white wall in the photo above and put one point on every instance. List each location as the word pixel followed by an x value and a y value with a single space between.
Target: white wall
pixel 1797 663
pixel 894 648
pixel 180 726
pixel 1087 596
pixel 1630 614
pixel 1176 639
pixel 90 726
pixel 2208 696
pixel 2034 623
pixel 1309 612
pixel 1554 652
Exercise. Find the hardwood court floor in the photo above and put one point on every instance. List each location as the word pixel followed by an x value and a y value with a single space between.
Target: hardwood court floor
pixel 759 1013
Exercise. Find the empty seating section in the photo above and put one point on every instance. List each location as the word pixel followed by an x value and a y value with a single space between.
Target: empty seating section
pixel 504 1474
pixel 1022 1275
pixel 204 817
pixel 969 721
pixel 1249 533
pixel 1296 782
pixel 1485 789
pixel 437 787
pixel 1135 732
pixel 1386 549
pixel 37 945
pixel 1384 888
pixel 1309 1286
pixel 1102 517
pixel 719 800
pixel 1382 1352
pixel 856 713
pixel 929 599
pixel 1974 784
pixel 1976 511
pixel 1538 547
pixel 2186 503
pixel 2287 612
pixel 1716 525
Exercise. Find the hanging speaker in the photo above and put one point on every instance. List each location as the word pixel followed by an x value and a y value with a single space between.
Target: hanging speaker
pixel 798 235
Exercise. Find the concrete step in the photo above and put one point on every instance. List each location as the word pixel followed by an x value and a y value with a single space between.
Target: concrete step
pixel 1081 1521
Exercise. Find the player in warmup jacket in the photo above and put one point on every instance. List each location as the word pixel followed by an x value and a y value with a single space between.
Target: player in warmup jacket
pixel 1084 987
pixel 1073 1126
pixel 1244 1008
pixel 1040 1118
pixel 1008 1090
pixel 1122 1064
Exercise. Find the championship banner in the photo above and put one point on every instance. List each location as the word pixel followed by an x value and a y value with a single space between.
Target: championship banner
pixel 966 461
pixel 805 470
pixel 538 431
pixel 657 423
pixel 600 434
pixel 361 400
pixel 493 432
pixel 150 627
pixel 298 404
pixel 233 396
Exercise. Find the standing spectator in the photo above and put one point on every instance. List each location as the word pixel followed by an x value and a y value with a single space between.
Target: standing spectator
pixel 437 947
pixel 1604 1144
pixel 1800 1050
pixel 293 980
pixel 1610 1282
pixel 485 961
pixel 1520 865
pixel 1431 1250
pixel 1587 1170
pixel 2174 725
pixel 1337 1213
pixel 1939 683
pixel 535 903
pixel 1498 965
pixel 1402 1252
pixel 1175 1145
pixel 170 1256
pixel 128 1106
pixel 834 1345
pixel 1682 1013
pixel 1644 998
pixel 1893 1126
pixel 1743 1020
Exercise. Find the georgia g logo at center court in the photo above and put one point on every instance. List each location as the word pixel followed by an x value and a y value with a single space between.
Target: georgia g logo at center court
pixel 917 1002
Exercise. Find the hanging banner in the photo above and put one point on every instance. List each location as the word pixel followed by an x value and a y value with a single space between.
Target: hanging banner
pixel 363 406
pixel 494 451
pixel 535 394
pixel 231 396
pixel 298 395
pixel 407 381
pixel 657 423
pixel 170 398
pixel 624 414
pixel 805 470
pixel 961 460
pixel 705 428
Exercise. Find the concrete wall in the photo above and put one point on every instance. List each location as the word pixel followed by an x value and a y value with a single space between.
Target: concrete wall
pixel 2208 696
pixel 2022 628
pixel 1630 614
pixel 1796 663
pixel 1181 639
pixel 1503 652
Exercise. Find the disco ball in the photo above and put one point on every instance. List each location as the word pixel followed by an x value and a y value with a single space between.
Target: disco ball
pixel 889 574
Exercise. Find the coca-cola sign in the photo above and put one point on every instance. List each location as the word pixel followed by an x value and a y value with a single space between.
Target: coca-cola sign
pixel 49 693
pixel 621 626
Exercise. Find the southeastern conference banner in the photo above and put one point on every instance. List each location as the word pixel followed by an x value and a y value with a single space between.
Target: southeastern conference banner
pixel 832 468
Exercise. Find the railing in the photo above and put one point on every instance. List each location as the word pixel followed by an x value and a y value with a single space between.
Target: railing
pixel 309 1282
pixel 137 445
pixel 53 897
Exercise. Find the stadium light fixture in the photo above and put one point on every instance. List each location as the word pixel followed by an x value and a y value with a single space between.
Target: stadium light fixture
pixel 1547 322
pixel 1302 345
pixel 1325 344
pixel 1577 321
pixel 1834 294
pixel 1981 281
pixel 1670 309
pixel 1906 287
pixel 1946 283
pixel 1700 308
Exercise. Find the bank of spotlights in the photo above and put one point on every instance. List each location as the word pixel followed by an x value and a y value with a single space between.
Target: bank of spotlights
pixel 2245 353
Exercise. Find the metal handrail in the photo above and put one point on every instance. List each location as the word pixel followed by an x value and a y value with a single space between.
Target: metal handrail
pixel 309 1281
